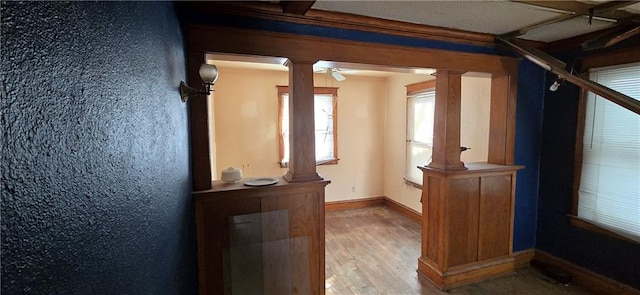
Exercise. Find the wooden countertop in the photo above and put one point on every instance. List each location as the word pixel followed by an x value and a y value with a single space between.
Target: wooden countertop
pixel 219 186
pixel 473 168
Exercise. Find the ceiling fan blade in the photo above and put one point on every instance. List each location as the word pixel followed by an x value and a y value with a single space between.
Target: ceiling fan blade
pixel 339 77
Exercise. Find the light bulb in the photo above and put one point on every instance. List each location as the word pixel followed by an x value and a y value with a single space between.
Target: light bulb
pixel 208 73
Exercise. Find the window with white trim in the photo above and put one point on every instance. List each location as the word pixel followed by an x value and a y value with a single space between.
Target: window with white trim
pixel 420 118
pixel 609 191
pixel 325 122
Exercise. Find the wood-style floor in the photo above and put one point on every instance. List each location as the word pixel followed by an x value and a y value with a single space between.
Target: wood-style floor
pixel 375 251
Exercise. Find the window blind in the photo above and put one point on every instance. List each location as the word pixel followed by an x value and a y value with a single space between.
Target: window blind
pixel 609 193
pixel 420 118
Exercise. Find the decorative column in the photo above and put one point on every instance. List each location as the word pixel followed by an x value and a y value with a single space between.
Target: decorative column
pixel 302 148
pixel 467 210
pixel 502 119
pixel 446 132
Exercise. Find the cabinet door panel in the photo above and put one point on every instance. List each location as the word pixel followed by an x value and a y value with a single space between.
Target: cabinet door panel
pixel 495 217
pixel 214 239
pixel 462 216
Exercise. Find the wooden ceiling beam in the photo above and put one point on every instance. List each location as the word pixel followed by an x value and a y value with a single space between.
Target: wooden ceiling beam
pixel 555 66
pixel 296 7
pixel 579 10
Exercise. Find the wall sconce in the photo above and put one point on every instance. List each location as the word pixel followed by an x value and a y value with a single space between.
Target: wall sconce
pixel 208 74
pixel 556 84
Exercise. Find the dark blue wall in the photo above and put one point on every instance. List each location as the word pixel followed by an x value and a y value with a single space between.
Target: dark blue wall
pixel 531 79
pixel 96 184
pixel 614 258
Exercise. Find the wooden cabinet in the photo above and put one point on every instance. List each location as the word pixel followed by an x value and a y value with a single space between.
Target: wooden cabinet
pixel 261 240
pixel 467 229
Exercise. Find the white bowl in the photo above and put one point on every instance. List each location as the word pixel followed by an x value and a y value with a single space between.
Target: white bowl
pixel 231 175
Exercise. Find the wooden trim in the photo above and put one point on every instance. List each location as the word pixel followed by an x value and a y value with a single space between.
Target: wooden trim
pixel 498 120
pixel 354 204
pixel 404 210
pixel 579 150
pixel 201 39
pixel 199 126
pixel 556 66
pixel 464 274
pixel 588 225
pixel 339 20
pixel 296 7
pixel 524 257
pixel 420 86
pixel 282 90
pixel 227 40
pixel 573 42
pixel 618 57
pixel 373 202
pixel 597 282
pixel 446 126
pixel 411 183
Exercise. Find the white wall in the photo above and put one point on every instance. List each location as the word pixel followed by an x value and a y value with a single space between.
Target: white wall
pixel 474 134
pixel 371 130
pixel 246 118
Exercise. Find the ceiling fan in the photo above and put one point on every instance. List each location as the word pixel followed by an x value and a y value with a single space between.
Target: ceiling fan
pixel 333 73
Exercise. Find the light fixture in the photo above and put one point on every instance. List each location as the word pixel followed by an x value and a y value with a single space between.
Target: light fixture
pixel 208 74
pixel 556 84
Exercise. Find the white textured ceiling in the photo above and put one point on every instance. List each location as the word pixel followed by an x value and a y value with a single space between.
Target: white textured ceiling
pixel 494 17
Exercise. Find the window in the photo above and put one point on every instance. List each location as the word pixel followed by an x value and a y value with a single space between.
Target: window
pixel 326 131
pixel 420 113
pixel 609 189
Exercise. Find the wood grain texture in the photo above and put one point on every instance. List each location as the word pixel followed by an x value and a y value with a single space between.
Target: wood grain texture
pixel 201 39
pixel 498 120
pixel 354 204
pixel 461 230
pixel 475 240
pixel 301 47
pixel 303 207
pixel 494 232
pixel 433 207
pixel 302 147
pixel 373 250
pixel 446 130
pixel 404 210
pixel 420 87
pixel 616 57
pixel 199 125
pixel 339 20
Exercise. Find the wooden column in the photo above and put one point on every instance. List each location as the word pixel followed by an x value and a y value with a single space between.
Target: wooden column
pixel 467 210
pixel 502 120
pixel 302 147
pixel 199 123
pixel 446 133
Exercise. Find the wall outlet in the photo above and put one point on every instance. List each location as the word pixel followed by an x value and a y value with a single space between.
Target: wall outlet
pixel 353 188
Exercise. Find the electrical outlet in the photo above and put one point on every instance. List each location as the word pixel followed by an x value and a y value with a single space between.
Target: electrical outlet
pixel 353 189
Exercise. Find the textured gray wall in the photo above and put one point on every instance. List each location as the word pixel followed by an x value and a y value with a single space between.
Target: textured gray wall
pixel 95 155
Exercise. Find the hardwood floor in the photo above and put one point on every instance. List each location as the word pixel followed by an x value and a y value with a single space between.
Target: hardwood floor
pixel 375 250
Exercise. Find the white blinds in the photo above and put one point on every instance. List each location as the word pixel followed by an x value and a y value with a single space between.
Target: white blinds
pixel 609 192
pixel 420 112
